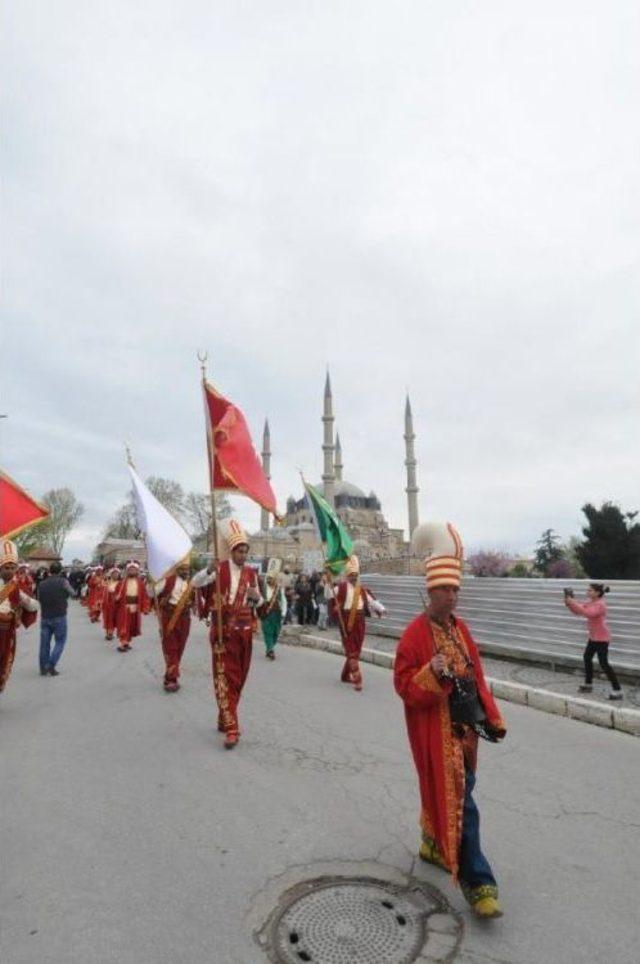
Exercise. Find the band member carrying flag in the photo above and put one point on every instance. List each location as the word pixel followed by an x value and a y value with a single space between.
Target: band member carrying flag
pixel 350 601
pixel 353 603
pixel 168 551
pixel 234 466
pixel 18 511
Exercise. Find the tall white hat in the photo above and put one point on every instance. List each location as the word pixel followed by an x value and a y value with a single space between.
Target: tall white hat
pixel 353 566
pixel 440 545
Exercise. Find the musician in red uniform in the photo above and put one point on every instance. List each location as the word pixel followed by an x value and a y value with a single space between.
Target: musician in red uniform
pixel 448 704
pixel 233 602
pixel 352 602
pixel 132 602
pixel 17 608
pixel 96 592
pixel 111 583
pixel 175 597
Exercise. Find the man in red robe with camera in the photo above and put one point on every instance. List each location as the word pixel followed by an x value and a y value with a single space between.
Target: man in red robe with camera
pixel 438 674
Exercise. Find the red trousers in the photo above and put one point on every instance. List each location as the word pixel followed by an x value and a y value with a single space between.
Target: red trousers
pixel 109 616
pixel 129 625
pixel 7 650
pixel 230 662
pixel 352 641
pixel 173 643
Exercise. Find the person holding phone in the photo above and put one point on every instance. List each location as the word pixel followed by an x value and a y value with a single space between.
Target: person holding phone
pixel 595 612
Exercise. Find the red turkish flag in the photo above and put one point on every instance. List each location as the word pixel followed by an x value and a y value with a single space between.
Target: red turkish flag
pixel 18 509
pixel 233 462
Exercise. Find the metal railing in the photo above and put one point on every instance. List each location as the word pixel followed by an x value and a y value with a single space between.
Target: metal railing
pixel 521 618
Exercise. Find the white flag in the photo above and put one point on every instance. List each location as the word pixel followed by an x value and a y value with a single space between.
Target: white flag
pixel 167 542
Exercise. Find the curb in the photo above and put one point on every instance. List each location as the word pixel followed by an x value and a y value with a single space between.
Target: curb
pixel 598 714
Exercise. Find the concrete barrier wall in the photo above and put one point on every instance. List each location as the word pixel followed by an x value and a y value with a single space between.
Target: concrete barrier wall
pixel 520 617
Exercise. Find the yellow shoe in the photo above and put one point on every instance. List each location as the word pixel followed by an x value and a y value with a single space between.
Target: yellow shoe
pixel 430 853
pixel 487 907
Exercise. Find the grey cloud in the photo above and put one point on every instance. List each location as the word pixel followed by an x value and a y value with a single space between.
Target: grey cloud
pixel 426 196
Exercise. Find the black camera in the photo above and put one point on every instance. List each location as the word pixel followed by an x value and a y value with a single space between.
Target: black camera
pixel 568 592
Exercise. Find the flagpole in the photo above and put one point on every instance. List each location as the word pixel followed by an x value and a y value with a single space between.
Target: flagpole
pixel 214 515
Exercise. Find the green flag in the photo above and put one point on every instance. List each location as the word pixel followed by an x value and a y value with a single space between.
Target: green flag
pixel 333 535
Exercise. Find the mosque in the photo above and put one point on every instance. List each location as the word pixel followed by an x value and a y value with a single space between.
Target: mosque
pixel 296 541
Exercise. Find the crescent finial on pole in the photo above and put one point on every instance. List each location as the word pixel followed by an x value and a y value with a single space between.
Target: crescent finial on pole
pixel 202 358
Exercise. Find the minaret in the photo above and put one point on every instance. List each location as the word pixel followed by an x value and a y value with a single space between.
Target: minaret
pixel 266 465
pixel 410 462
pixel 328 476
pixel 337 465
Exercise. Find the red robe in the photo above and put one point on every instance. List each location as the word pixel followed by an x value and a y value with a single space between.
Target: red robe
pixel 174 627
pixel 232 658
pixel 128 623
pixel 96 589
pixel 26 582
pixel 352 630
pixel 203 601
pixel 9 623
pixel 109 608
pixel 437 753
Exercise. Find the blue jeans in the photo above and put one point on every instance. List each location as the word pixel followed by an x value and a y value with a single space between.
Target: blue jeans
pixel 474 869
pixel 56 627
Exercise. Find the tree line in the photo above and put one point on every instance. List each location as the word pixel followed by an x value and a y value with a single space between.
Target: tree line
pixel 191 509
pixel 609 549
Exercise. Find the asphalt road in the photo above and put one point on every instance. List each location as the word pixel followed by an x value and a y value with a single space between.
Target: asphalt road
pixel 128 835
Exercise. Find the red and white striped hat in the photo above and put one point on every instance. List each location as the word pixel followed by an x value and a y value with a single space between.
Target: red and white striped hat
pixel 233 533
pixel 440 545
pixel 8 552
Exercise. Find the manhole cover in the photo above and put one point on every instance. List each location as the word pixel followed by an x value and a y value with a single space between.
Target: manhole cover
pixel 359 921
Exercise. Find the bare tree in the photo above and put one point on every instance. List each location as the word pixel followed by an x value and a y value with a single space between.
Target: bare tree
pixel 123 525
pixel 198 513
pixel 65 511
pixel 29 539
pixel 192 510
pixel 169 493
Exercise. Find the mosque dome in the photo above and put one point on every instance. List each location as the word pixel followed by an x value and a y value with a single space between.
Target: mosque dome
pixel 345 488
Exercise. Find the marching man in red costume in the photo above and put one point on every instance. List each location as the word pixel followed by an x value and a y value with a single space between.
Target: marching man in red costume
pixel 132 602
pixel 448 705
pixel 175 598
pixel 237 596
pixel 96 591
pixel 352 602
pixel 17 608
pixel 109 603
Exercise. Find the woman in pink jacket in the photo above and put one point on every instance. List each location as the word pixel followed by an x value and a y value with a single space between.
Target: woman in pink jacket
pixel 595 611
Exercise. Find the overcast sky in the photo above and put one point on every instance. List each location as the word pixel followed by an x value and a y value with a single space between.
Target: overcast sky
pixel 434 196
